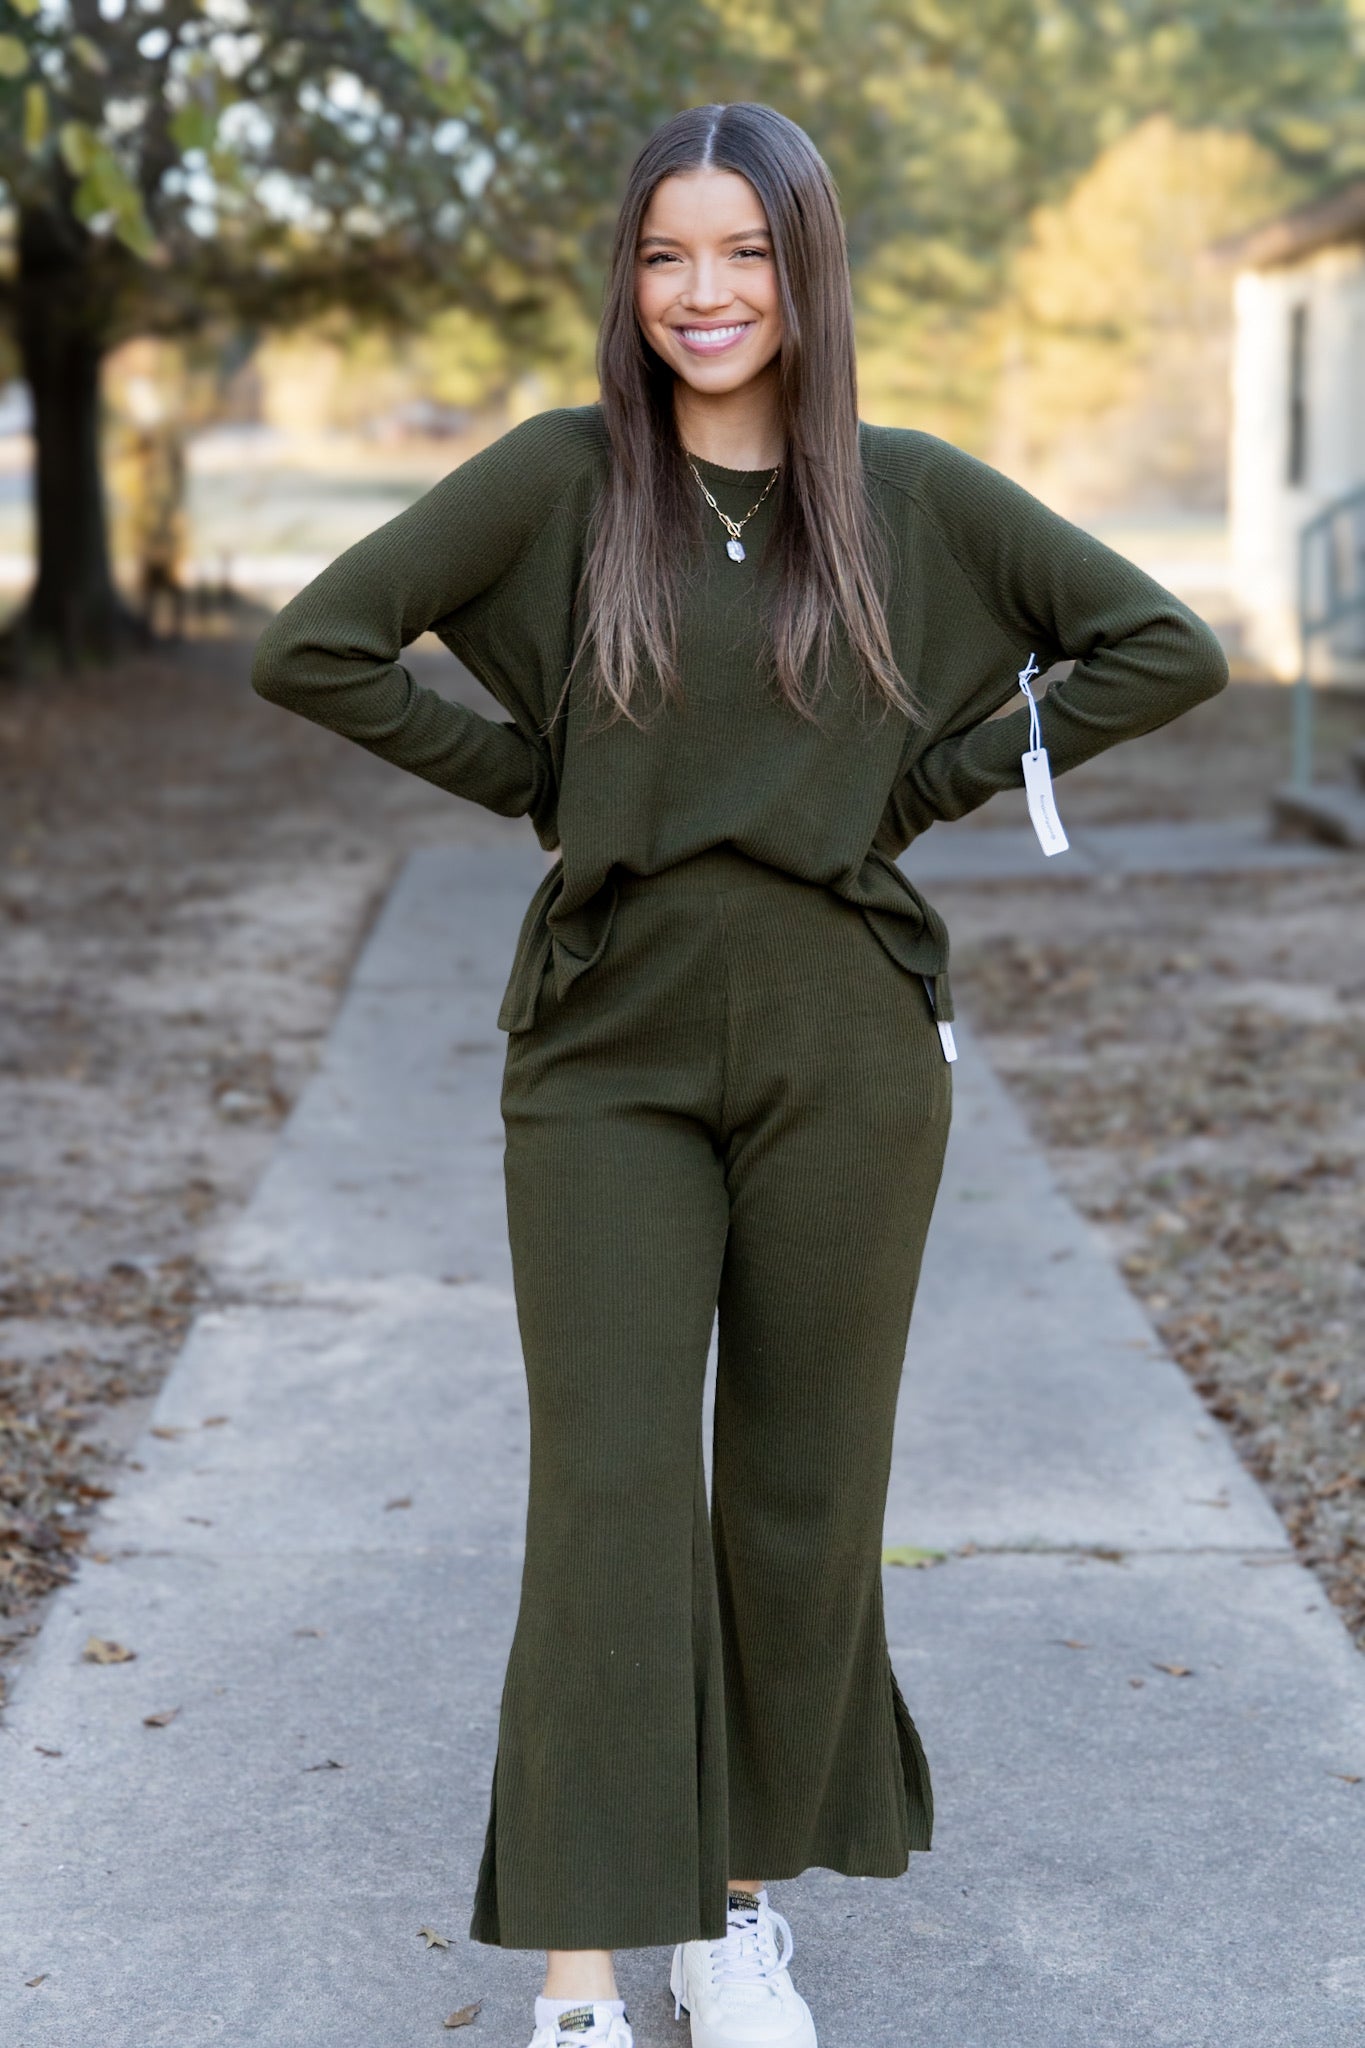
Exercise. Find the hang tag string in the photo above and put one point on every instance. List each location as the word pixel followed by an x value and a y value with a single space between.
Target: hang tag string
pixel 1035 730
pixel 1042 807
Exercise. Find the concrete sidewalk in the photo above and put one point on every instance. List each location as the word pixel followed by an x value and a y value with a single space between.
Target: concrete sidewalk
pixel 324 1585
pixel 971 852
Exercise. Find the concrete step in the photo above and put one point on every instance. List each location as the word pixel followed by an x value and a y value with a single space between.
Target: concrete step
pixel 1331 811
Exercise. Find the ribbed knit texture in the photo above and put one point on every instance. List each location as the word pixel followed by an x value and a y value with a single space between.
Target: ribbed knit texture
pixel 723 1089
pixel 983 575
pixel 745 1104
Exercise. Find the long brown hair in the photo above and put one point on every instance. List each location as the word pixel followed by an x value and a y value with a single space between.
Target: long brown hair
pixel 647 524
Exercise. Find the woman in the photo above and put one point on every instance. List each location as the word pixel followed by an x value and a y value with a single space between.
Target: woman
pixel 749 647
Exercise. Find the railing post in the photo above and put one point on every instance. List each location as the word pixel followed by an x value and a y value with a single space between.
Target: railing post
pixel 1338 535
pixel 1301 770
pixel 1301 751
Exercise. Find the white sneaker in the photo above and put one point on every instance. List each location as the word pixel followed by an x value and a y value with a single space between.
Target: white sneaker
pixel 738 1990
pixel 583 2026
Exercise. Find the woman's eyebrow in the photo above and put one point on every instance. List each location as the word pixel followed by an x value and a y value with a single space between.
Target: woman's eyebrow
pixel 740 235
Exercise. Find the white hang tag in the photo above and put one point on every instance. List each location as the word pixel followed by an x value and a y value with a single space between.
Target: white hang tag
pixel 945 1031
pixel 1042 805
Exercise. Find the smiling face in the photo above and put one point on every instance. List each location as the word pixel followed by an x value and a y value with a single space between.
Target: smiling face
pixel 706 282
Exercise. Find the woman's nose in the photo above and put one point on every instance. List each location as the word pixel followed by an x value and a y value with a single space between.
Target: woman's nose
pixel 706 287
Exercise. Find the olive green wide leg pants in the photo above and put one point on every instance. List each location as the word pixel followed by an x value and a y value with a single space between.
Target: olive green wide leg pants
pixel 741 1109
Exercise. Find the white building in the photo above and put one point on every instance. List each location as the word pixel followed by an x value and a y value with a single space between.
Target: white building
pixel 1298 423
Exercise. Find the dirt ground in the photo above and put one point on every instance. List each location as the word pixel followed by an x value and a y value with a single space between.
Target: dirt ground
pixel 185 875
pixel 1191 1053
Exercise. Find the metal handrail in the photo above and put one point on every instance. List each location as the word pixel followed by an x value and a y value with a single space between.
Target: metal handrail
pixel 1331 590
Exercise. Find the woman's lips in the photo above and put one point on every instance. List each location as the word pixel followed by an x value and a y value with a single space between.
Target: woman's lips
pixel 713 341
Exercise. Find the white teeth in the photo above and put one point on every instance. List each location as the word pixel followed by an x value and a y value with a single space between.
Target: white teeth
pixel 713 333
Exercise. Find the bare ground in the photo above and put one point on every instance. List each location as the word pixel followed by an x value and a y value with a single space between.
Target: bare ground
pixel 185 875
pixel 1191 1052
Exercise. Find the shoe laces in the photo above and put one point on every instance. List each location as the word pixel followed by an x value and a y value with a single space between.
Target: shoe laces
pixel 750 1954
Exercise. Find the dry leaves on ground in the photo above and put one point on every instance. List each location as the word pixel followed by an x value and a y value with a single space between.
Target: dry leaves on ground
pixel 1192 1053
pixel 51 1471
pixel 104 1650
pixel 183 873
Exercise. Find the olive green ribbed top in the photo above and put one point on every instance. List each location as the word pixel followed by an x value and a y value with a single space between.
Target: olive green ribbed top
pixel 982 576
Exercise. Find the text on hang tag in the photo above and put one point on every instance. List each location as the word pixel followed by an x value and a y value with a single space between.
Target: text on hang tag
pixel 1042 805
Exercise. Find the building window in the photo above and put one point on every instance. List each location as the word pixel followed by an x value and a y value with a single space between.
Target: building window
pixel 1296 464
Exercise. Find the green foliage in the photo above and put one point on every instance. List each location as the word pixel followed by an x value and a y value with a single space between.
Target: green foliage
pixel 949 128
pixel 439 60
pixel 263 160
pixel 947 125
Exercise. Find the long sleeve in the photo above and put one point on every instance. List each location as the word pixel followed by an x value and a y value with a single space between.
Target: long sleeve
pixel 332 653
pixel 1142 657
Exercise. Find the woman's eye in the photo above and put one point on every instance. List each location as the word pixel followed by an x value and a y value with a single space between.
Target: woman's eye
pixel 664 256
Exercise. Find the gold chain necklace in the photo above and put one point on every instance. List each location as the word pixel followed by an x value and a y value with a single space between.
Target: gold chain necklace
pixel 734 547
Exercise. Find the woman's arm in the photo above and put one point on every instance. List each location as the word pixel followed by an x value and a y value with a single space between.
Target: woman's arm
pixel 332 653
pixel 1142 657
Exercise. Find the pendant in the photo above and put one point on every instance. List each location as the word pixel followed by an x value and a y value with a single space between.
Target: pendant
pixel 734 548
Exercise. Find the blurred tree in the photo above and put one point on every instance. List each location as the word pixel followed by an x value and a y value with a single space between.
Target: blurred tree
pixel 169 160
pixel 1119 319
pixel 150 406
pixel 949 127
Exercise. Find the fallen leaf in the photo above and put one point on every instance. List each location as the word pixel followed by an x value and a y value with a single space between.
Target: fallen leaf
pixel 167 1430
pixel 202 1520
pixel 404 1501
pixel 307 1631
pixel 1137 1683
pixel 31 1981
pixel 433 1940
pixel 330 1764
pixel 907 1554
pixel 214 1421
pixel 466 2015
pixel 1175 1670
pixel 1345 1484
pixel 100 1556
pixel 1346 1777
pixel 103 1650
pixel 46 1752
pixel 1070 1643
pixel 161 1720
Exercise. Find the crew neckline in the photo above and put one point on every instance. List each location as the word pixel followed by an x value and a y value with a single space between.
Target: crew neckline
pixel 718 473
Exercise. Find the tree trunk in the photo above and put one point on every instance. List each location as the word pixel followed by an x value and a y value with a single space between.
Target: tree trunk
pixel 73 613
